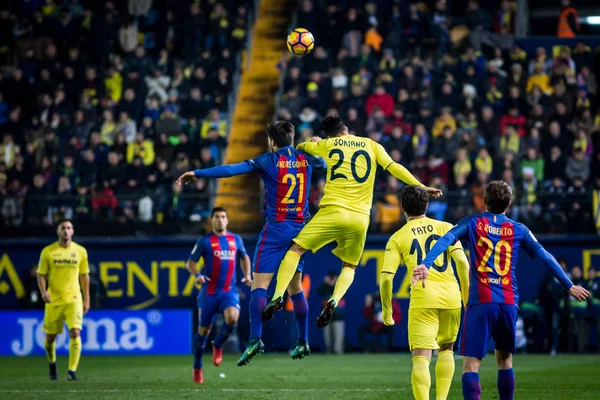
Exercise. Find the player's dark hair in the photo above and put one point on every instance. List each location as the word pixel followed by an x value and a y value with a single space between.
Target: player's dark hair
pixel 332 125
pixel 282 133
pixel 497 196
pixel 62 221
pixel 414 200
pixel 216 210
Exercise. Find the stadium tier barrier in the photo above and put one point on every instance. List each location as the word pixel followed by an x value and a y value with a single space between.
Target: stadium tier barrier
pixel 144 274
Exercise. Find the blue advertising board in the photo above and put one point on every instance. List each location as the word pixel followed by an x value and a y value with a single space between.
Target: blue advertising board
pixel 104 332
pixel 150 273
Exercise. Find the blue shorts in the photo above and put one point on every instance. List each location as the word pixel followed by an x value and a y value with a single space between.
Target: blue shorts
pixel 483 322
pixel 274 241
pixel 211 304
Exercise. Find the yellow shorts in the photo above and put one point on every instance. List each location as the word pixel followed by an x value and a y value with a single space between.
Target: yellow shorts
pixel 55 315
pixel 430 327
pixel 336 224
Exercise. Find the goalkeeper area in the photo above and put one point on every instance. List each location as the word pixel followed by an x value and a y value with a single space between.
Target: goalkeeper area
pixel 276 376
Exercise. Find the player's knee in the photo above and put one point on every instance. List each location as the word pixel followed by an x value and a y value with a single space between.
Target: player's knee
pixel 203 330
pixel 503 359
pixel 50 338
pixel 446 346
pixel 348 265
pixel 296 248
pixel 471 364
pixel 231 315
pixel 73 333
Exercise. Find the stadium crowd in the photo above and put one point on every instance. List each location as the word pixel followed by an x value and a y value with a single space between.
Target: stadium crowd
pixel 104 103
pixel 451 95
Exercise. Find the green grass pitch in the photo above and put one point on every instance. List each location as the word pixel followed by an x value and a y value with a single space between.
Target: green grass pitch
pixel 276 376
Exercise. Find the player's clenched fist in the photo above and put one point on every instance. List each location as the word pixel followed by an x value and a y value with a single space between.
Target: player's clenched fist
pixel 186 178
pixel 388 319
pixel 46 297
pixel 201 279
pixel 579 293
pixel 433 192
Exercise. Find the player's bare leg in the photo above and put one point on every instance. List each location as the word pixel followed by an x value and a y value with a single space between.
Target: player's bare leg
pixel 50 347
pixel 420 377
pixel 296 292
pixel 258 302
pixel 341 287
pixel 200 344
pixel 74 353
pixel 287 269
pixel 506 375
pixel 471 387
pixel 231 316
pixel 444 371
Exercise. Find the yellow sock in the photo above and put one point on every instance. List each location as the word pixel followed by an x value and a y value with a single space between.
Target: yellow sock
pixel 286 272
pixel 444 371
pixel 421 380
pixel 50 351
pixel 343 283
pixel 74 353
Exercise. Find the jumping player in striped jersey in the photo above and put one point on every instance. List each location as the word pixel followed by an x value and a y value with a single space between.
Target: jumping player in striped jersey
pixel 286 173
pixel 220 251
pixel 491 312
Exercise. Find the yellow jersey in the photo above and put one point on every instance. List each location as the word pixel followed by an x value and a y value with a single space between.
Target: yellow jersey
pixel 409 246
pixel 63 266
pixel 351 167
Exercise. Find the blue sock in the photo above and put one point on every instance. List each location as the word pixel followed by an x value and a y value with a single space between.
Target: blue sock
pixel 470 386
pixel 506 384
pixel 200 342
pixel 258 302
pixel 224 333
pixel 301 314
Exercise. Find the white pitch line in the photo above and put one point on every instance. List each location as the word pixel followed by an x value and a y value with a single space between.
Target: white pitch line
pixel 306 390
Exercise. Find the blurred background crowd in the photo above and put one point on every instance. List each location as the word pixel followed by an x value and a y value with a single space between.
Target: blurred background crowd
pixel 104 103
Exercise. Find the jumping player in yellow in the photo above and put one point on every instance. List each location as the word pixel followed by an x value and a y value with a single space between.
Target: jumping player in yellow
pixel 63 267
pixel 344 211
pixel 434 311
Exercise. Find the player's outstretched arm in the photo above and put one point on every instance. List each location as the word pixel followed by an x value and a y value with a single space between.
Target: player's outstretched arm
pixel 400 172
pixel 536 250
pixel 221 171
pixel 391 262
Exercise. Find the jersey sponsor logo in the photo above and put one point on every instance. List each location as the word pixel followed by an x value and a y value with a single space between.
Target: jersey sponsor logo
pixel 495 281
pixel 225 254
pixel 64 262
pixel 504 231
pixel 421 230
pixel 349 143
pixel 292 164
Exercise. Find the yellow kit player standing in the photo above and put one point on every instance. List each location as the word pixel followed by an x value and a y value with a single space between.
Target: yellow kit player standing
pixel 434 311
pixel 345 208
pixel 62 269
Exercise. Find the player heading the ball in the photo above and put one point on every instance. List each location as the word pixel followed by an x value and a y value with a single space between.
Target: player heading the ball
pixel 345 208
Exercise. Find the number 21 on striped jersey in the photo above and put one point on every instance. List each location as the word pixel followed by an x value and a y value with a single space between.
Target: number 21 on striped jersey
pixel 501 248
pixel 292 181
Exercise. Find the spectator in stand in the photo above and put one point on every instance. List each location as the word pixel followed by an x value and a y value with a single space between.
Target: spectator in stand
pixel 89 170
pixel 381 99
pixel 578 165
pixel 141 147
pixel 555 165
pixel 534 161
pixel 334 332
pixel 372 312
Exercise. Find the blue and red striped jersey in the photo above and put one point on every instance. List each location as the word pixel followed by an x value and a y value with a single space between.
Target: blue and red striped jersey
pixel 495 241
pixel 286 174
pixel 220 254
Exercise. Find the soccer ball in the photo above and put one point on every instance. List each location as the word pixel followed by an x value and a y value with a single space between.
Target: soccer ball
pixel 300 41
